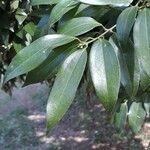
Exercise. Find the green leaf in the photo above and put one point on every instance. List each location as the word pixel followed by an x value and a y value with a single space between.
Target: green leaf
pixel 60 9
pixel 44 2
pixel 133 68
pixel 96 12
pixel 51 65
pixel 125 23
pixel 65 86
pixel 136 116
pixel 105 72
pixel 81 8
pixel 118 3
pixel 68 16
pixel 78 26
pixel 129 66
pixel 121 116
pixel 33 55
pixel 30 28
pixel 142 38
pixel 21 34
pixel 144 79
pixel 17 46
pixel 20 16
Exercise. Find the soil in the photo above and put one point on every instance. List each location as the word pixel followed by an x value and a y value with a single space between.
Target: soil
pixel 84 127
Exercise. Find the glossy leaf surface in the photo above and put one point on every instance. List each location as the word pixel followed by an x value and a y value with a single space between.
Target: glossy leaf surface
pixel 65 86
pixel 105 72
pixel 78 26
pixel 121 116
pixel 51 65
pixel 34 54
pixel 129 66
pixel 108 2
pixel 125 23
pixel 142 38
pixel 136 116
pixel 60 9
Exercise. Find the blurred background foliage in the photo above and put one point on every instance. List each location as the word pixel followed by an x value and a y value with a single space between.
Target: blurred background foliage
pixel 18 25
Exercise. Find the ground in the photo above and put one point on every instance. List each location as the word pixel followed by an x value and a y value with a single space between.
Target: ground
pixel 84 127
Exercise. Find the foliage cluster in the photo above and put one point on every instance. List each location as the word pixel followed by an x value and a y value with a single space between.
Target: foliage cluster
pixel 107 42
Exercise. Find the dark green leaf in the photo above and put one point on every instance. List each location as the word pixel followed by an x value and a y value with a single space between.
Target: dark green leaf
pixel 30 28
pixel 136 116
pixel 125 23
pixel 50 66
pixel 78 26
pixel 65 86
pixel 118 3
pixel 96 12
pixel 60 9
pixel 17 46
pixel 105 72
pixel 142 38
pixel 44 2
pixel 33 55
pixel 129 64
pixel 144 79
pixel 133 68
pixel 121 116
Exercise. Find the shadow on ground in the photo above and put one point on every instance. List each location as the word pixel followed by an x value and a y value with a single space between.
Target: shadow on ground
pixel 84 127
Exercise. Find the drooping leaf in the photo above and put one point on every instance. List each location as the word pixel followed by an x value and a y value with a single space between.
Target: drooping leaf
pixel 105 72
pixel 60 9
pixel 133 68
pixel 44 2
pixel 129 65
pixel 136 116
pixel 78 26
pixel 121 116
pixel 142 38
pixel 41 29
pixel 51 65
pixel 144 79
pixel 65 86
pixel 33 55
pixel 81 8
pixel 125 23
pixel 95 12
pixel 118 3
